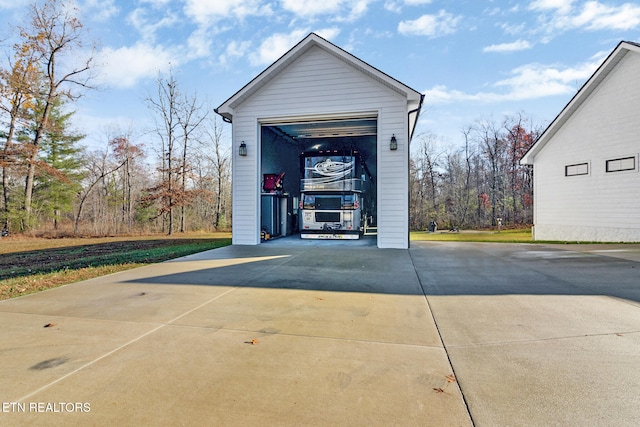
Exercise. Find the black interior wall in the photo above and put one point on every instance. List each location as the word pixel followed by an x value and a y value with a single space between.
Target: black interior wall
pixel 280 155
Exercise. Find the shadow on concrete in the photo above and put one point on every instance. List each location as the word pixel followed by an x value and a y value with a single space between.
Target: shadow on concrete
pixel 330 267
pixel 428 268
pixel 522 269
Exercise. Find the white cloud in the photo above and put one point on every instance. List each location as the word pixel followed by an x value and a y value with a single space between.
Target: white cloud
pixel 393 6
pixel 342 10
pixel 518 45
pixel 206 12
pixel 441 94
pixel 156 3
pixel 431 25
pixel 199 44
pixel 147 26
pixel 533 81
pixel 125 66
pixel 591 15
pixel 312 7
pixel 328 33
pixel 396 5
pixel 598 16
pixel 273 47
pixel 529 81
pixel 233 51
pixel 495 11
pixel 358 9
pixel 513 28
pixel 100 10
pixel 13 4
pixel 562 6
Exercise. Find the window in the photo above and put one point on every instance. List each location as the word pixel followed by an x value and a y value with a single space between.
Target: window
pixel 622 164
pixel 577 169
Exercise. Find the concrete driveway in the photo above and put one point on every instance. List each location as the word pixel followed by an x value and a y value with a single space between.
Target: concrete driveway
pixel 321 333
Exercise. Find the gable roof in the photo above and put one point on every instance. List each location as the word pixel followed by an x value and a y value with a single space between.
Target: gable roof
pixel 226 109
pixel 580 97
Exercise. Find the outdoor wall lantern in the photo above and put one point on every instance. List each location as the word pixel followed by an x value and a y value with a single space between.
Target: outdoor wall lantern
pixel 242 151
pixel 393 145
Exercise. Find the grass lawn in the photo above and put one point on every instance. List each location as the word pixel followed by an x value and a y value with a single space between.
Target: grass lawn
pixel 32 264
pixel 504 236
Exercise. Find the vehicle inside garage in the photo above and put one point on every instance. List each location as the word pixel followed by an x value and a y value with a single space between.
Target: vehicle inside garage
pixel 319 178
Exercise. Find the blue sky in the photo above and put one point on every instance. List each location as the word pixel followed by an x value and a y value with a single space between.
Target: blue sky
pixel 472 59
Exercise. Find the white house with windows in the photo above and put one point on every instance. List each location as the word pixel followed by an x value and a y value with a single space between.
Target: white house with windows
pixel 586 165
pixel 314 100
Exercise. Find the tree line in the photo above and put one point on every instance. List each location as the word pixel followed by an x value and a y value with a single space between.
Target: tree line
pixel 478 184
pixel 178 179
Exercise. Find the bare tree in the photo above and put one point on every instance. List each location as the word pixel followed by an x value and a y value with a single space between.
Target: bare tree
pixel 426 181
pixel 221 161
pixel 126 153
pixel 467 174
pixel 98 168
pixel 520 135
pixel 165 104
pixel 493 146
pixel 179 118
pixel 191 118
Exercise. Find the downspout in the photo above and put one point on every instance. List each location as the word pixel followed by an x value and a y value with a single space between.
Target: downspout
pixel 417 111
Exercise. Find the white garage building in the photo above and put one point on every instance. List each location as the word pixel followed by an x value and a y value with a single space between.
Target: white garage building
pixel 586 179
pixel 320 98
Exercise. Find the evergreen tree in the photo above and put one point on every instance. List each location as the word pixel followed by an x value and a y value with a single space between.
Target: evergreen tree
pixel 60 163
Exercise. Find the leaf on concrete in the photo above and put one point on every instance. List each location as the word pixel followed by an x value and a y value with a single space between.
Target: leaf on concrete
pixel 450 378
pixel 252 342
pixel 50 325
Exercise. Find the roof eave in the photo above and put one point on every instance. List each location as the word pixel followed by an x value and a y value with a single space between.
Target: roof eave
pixel 579 98
pixel 226 108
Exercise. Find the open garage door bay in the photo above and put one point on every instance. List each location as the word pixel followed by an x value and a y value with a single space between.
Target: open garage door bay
pixel 319 178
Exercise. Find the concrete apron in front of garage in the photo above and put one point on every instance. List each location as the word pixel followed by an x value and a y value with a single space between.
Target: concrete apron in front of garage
pixel 342 333
pixel 276 334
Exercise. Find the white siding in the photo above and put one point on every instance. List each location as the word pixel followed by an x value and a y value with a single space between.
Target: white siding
pixel 599 206
pixel 321 84
pixel 244 185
